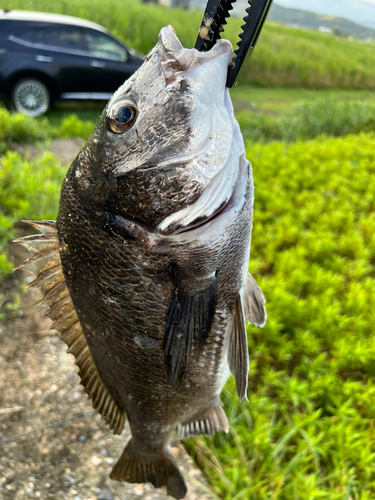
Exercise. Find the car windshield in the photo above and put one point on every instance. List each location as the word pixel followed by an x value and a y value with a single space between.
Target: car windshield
pixel 102 46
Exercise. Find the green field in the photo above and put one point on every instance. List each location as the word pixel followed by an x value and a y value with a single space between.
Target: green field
pixel 278 100
pixel 284 56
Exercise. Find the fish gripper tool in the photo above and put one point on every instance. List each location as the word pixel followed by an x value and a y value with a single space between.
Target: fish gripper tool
pixel 212 26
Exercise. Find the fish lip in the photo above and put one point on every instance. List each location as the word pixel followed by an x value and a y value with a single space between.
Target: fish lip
pixel 176 61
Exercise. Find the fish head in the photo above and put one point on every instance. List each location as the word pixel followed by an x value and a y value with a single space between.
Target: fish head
pixel 166 137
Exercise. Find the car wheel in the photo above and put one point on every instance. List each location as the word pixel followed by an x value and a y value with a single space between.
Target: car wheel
pixel 30 97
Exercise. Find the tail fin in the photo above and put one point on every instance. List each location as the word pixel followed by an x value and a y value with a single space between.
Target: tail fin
pixel 159 470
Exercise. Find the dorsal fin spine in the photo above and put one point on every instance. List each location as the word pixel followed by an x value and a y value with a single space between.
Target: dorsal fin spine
pixel 50 280
pixel 85 356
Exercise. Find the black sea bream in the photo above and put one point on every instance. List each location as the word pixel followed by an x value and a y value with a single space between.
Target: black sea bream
pixel 153 233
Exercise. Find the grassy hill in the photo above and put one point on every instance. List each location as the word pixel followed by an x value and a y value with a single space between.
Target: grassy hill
pixel 313 20
pixel 284 56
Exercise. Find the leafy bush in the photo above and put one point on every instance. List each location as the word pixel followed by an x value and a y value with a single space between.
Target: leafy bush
pixel 72 126
pixel 27 190
pixel 15 127
pixel 309 119
pixel 284 56
pixel 307 431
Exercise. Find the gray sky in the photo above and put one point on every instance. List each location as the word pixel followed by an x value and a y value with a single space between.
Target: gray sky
pixel 359 11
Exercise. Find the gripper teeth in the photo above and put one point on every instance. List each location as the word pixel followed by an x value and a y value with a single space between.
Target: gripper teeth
pixel 243 27
pixel 216 13
pixel 256 14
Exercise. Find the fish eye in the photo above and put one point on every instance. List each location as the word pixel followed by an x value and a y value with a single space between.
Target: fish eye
pixel 122 119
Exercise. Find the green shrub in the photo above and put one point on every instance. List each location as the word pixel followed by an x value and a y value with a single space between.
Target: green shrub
pixel 72 126
pixel 15 127
pixel 28 190
pixel 309 119
pixel 307 431
pixel 18 128
pixel 284 56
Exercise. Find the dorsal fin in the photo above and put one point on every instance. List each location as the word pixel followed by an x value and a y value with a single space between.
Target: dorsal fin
pixel 46 263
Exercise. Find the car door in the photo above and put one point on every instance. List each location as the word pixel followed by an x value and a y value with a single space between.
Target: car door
pixel 64 50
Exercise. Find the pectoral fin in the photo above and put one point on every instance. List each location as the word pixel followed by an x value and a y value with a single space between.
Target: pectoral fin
pixel 238 354
pixel 254 303
pixel 188 323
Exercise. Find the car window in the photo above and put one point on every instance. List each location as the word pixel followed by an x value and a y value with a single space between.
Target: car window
pixel 28 36
pixel 63 37
pixel 100 45
pixel 8 28
pixel 67 38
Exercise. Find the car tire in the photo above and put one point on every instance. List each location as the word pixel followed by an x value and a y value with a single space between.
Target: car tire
pixel 30 97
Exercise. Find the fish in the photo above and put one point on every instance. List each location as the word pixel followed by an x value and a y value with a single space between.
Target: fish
pixel 145 270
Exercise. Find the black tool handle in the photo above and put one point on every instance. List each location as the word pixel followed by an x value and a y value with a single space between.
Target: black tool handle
pixel 257 14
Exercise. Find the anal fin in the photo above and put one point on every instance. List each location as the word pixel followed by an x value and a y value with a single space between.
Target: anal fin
pixel 254 303
pixel 238 354
pixel 157 469
pixel 46 264
pixel 207 422
pixel 188 323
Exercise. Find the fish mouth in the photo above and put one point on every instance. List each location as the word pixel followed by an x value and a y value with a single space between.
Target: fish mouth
pixel 179 63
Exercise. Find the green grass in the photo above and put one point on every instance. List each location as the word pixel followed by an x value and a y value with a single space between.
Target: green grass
pixel 89 113
pixel 308 430
pixel 18 128
pixel 309 119
pixel 28 190
pixel 284 56
pixel 278 100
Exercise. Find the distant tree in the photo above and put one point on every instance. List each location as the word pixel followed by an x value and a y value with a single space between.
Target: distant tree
pixel 150 1
pixel 181 4
pixel 339 33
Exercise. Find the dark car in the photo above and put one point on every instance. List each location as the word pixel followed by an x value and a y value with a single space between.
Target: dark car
pixel 48 57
